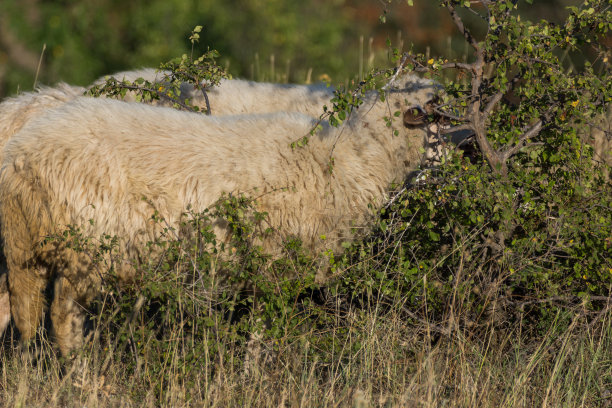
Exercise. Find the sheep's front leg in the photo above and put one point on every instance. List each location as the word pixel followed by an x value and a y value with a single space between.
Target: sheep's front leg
pixel 67 317
pixel 27 301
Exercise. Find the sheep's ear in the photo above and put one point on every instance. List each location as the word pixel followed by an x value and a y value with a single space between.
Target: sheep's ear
pixel 435 116
pixel 430 107
pixel 415 116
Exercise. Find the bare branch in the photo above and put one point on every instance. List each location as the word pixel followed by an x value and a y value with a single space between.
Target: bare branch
pixel 448 65
pixel 203 89
pixel 459 23
pixel 520 146
pixel 494 101
pixel 528 145
pixel 456 129
pixel 405 58
pixel 533 131
pixel 451 117
pixel 496 162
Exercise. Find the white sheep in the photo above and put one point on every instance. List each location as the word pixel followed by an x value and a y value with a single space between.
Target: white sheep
pixel 232 96
pixel 95 159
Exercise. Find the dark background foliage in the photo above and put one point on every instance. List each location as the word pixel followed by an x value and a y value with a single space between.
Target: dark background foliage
pixel 270 40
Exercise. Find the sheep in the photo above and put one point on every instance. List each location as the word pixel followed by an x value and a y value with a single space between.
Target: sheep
pixel 232 96
pixel 95 159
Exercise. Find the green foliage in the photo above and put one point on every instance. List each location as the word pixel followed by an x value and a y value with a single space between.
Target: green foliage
pixel 192 295
pixel 525 221
pixel 201 73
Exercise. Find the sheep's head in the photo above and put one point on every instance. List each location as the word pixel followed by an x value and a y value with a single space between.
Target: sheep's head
pixel 416 99
pixel 419 100
pixel 413 96
pixel 427 114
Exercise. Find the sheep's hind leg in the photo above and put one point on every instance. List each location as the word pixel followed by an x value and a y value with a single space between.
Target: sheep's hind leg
pixel 27 298
pixel 67 317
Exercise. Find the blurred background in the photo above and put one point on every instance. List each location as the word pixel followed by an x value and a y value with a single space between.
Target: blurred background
pixel 77 41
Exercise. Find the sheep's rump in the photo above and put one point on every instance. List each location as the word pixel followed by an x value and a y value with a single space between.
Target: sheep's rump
pixel 15 113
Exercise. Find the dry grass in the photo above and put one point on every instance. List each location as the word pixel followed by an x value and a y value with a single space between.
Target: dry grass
pixel 383 361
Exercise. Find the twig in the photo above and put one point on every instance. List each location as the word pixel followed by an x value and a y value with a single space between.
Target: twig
pixel 199 86
pixel 42 53
pixel 459 23
pixel 533 131
pixel 155 91
pixel 494 101
pixel 447 65
pixel 451 117
pixel 208 110
pixel 456 129
pixel 397 71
